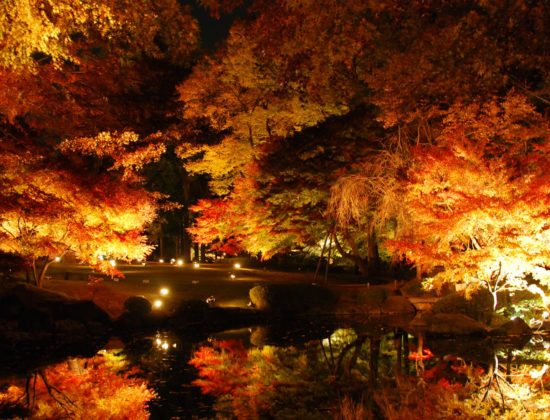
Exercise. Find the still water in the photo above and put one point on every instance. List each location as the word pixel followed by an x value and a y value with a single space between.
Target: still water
pixel 312 369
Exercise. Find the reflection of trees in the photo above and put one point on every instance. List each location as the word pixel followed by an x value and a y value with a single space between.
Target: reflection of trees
pixel 375 370
pixel 101 387
pixel 60 398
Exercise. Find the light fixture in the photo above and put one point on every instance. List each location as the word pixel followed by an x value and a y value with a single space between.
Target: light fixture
pixel 237 265
pixel 157 304
pixel 164 291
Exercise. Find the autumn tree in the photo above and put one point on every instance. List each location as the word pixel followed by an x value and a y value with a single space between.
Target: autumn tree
pixel 478 201
pixel 282 203
pixel 440 65
pixel 88 74
pixel 277 73
pixel 47 212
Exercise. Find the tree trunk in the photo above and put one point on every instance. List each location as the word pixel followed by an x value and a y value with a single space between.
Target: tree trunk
pixel 360 263
pixel 373 256
pixel 203 253
pixel 42 274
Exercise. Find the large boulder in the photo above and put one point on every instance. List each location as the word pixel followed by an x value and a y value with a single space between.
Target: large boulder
pixel 455 324
pixel 479 306
pixel 370 299
pixel 192 311
pixel 291 298
pixel 394 305
pixel 514 327
pixel 138 306
pixel 44 310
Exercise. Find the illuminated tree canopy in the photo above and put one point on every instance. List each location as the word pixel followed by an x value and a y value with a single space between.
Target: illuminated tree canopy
pixel 419 130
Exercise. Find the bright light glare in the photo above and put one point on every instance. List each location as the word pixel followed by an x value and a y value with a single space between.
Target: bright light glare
pixel 164 291
pixel 113 263
pixel 174 345
pixel 157 304
pixel 164 345
pixel 232 276
pixel 196 265
pixel 158 341
pixel 57 259
pixel 237 265
pixel 161 261
pixel 180 262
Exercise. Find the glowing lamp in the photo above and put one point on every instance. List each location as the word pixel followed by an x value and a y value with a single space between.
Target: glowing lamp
pixel 165 346
pixel 158 341
pixel 180 262
pixel 196 265
pixel 157 304
pixel 57 259
pixel 232 276
pixel 237 265
pixel 164 291
pixel 161 261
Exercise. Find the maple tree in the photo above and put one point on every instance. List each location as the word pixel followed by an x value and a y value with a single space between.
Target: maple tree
pixel 277 73
pixel 80 78
pixel 478 201
pixel 48 212
pixel 105 388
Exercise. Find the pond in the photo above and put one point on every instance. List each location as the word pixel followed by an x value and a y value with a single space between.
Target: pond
pixel 308 369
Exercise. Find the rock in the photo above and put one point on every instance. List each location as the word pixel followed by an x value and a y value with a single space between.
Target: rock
pixel 294 298
pixel 138 305
pixel 84 311
pixel 372 296
pixel 397 305
pixel 478 307
pixel 192 311
pixel 422 320
pixel 41 310
pixel 515 327
pixel 455 324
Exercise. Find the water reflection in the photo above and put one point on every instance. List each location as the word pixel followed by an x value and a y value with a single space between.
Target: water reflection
pixel 103 386
pixel 307 370
pixel 384 374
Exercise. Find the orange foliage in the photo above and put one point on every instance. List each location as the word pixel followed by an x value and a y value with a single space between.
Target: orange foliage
pixel 101 390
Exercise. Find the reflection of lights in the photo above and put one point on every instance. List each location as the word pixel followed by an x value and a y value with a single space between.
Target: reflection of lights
pixel 57 259
pixel 165 346
pixel 164 291
pixel 157 304
pixel 236 265
pixel 172 261
pixel 158 341
pixel 180 262
pixel 161 261
pixel 113 263
pixel 196 265
pixel 232 276
pixel 174 345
